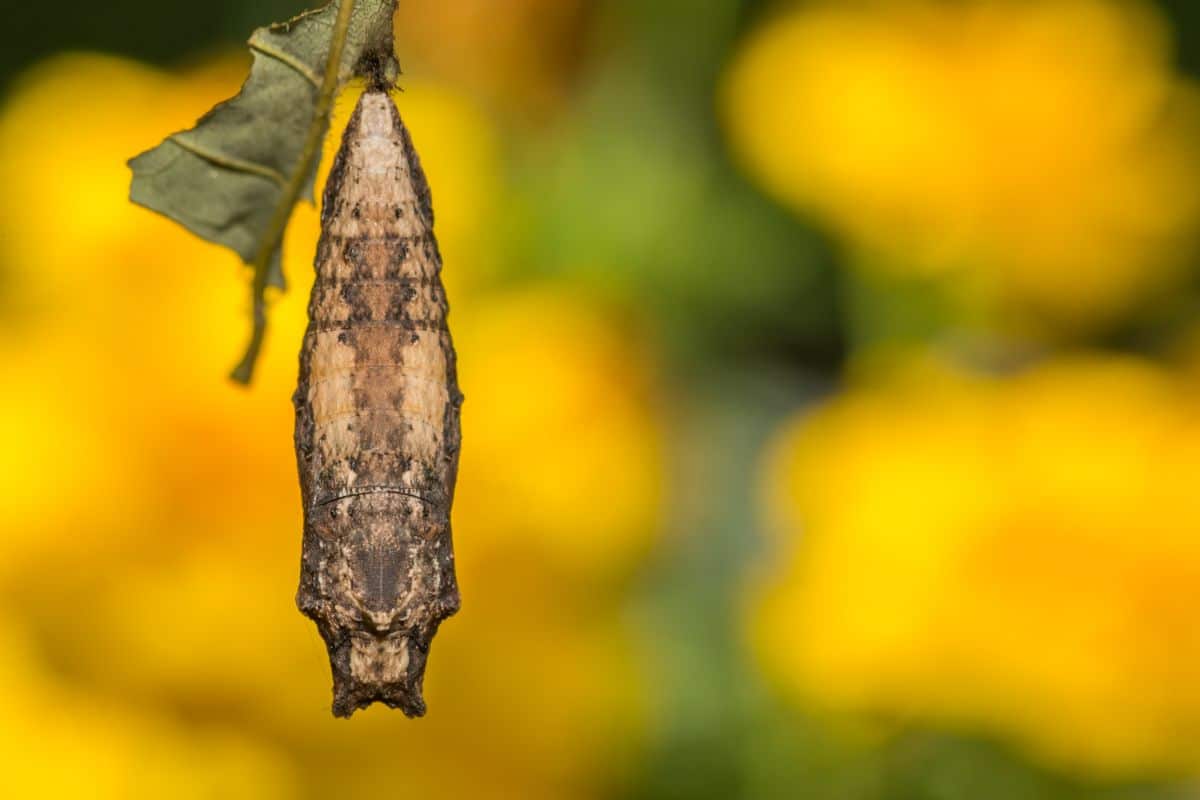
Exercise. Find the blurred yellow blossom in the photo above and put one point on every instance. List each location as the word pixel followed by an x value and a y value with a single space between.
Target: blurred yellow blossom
pixel 560 418
pixel 153 549
pixel 1044 153
pixel 62 743
pixel 1020 554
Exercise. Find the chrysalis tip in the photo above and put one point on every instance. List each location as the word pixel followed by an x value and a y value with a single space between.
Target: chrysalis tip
pixel 379 669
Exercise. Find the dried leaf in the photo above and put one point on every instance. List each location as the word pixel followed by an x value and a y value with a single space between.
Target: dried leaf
pixel 235 177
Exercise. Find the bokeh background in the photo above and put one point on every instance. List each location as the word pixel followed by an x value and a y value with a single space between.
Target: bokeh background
pixel 832 423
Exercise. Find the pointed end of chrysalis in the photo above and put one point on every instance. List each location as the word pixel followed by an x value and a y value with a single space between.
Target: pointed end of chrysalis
pixel 372 668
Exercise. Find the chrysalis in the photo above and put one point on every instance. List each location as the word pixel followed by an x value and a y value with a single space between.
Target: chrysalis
pixel 377 421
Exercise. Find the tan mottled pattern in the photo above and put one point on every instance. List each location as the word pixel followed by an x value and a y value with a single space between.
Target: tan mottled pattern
pixel 377 421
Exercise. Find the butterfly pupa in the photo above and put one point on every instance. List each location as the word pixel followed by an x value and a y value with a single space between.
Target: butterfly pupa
pixel 377 421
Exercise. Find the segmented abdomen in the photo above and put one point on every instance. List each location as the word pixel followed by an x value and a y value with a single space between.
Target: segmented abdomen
pixel 378 397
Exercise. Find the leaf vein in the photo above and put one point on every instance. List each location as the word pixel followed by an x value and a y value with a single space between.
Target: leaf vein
pixel 229 162
pixel 286 58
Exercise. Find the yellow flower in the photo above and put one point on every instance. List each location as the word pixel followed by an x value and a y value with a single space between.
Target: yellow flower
pixel 1018 554
pixel 563 450
pixel 1046 153
pixel 63 743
